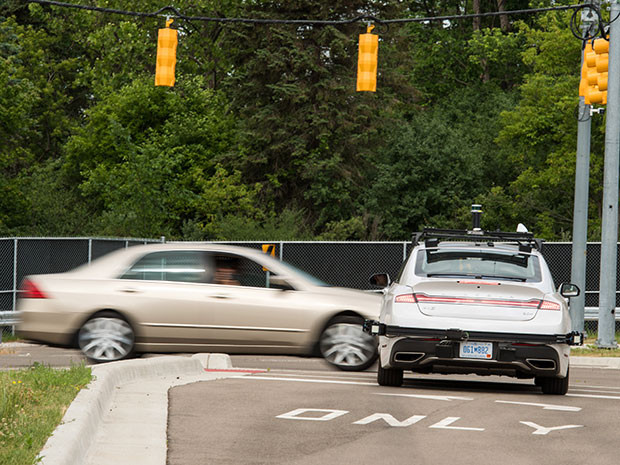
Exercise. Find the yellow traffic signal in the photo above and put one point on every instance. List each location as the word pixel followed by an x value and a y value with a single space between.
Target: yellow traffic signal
pixel 166 56
pixel 593 85
pixel 367 61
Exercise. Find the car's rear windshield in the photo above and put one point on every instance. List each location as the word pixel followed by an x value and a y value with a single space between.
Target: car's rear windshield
pixel 496 264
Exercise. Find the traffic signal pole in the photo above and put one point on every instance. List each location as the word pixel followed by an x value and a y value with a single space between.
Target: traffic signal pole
pixel 609 239
pixel 580 211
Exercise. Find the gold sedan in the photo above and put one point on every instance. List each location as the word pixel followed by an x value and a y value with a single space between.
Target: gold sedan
pixel 186 297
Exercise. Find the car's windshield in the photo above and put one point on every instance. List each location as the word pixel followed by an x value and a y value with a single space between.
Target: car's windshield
pixel 478 263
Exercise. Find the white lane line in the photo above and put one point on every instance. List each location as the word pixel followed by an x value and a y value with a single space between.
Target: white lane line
pixel 336 376
pixel 591 386
pixel 301 380
pixel 592 396
pixel 425 396
pixel 600 391
pixel 565 408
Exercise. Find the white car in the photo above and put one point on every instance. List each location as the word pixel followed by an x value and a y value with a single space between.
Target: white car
pixel 185 297
pixel 475 302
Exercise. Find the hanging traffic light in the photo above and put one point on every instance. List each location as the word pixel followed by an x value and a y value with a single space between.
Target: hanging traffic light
pixel 166 56
pixel 367 61
pixel 593 85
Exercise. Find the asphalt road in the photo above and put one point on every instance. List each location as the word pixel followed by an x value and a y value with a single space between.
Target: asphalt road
pixel 286 410
pixel 296 410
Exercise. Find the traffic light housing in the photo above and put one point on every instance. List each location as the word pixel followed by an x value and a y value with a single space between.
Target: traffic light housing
pixel 367 61
pixel 166 56
pixel 593 85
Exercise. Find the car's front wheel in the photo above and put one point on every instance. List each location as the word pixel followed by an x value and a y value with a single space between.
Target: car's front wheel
pixel 557 386
pixel 346 346
pixel 106 337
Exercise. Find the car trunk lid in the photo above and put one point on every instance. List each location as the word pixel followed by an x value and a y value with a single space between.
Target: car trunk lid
pixel 478 299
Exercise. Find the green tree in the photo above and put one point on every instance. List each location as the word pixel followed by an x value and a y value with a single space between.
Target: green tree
pixel 146 159
pixel 435 165
pixel 307 136
pixel 539 136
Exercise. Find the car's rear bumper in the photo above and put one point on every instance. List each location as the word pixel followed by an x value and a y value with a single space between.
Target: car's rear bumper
pixel 511 359
pixel 438 351
pixel 456 334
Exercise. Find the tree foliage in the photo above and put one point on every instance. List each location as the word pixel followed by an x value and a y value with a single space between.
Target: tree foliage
pixel 263 136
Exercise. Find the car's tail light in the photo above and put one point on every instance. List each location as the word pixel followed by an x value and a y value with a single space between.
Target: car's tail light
pixel 423 298
pixel 405 299
pixel 547 305
pixel 442 299
pixel 29 290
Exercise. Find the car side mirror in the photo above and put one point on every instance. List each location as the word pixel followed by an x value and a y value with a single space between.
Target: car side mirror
pixel 380 280
pixel 280 282
pixel 569 290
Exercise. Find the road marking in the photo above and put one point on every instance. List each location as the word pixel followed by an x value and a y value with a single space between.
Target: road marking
pixel 390 420
pixel 595 390
pixel 234 370
pixel 592 396
pixel 591 386
pixel 425 396
pixel 544 430
pixel 326 381
pixel 446 422
pixel 564 408
pixel 329 414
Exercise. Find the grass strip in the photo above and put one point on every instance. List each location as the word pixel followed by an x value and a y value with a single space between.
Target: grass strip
pixel 32 403
pixel 589 349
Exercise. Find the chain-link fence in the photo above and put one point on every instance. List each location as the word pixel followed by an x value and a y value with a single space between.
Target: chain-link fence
pixel 20 257
pixel 347 264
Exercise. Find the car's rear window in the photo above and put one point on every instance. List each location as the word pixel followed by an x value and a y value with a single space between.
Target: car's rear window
pixel 443 262
pixel 182 266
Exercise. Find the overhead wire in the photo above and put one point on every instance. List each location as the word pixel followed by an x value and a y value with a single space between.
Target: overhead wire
pixel 172 12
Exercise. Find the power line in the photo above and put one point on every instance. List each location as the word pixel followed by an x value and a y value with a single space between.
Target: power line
pixel 172 12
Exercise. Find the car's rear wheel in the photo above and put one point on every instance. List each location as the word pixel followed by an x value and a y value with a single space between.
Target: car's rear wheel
pixel 557 386
pixel 344 345
pixel 106 337
pixel 389 376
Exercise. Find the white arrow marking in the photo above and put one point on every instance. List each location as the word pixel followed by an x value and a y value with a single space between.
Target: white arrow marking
pixel 424 396
pixel 444 424
pixel 329 414
pixel 389 419
pixel 564 408
pixel 544 430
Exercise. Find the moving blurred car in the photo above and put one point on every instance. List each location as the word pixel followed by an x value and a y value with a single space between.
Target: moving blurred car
pixel 475 302
pixel 185 297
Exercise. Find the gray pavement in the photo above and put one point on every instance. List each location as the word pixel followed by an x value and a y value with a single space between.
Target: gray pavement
pixel 121 417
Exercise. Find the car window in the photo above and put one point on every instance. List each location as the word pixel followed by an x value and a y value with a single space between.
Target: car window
pixel 484 264
pixel 231 269
pixel 174 265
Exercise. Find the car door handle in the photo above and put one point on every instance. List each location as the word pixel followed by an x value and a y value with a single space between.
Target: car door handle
pixel 129 290
pixel 220 296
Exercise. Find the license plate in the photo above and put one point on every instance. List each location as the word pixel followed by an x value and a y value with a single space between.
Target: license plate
pixel 476 350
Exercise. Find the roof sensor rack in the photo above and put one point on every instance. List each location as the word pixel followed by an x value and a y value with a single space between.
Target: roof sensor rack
pixel 432 236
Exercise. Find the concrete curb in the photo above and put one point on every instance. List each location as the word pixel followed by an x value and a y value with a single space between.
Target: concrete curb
pixel 70 442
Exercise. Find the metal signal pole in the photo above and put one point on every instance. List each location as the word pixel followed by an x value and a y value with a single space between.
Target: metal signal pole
pixel 582 181
pixel 609 240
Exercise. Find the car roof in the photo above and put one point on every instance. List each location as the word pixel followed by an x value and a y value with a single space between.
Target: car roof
pixel 119 259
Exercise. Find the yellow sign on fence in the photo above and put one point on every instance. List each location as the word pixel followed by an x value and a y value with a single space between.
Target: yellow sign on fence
pixel 269 249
